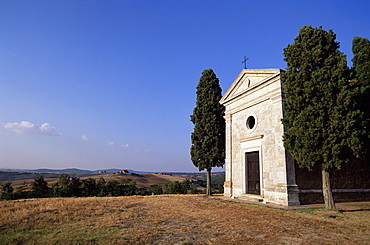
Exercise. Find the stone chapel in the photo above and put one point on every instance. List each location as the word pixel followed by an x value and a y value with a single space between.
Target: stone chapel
pixel 257 164
pixel 258 167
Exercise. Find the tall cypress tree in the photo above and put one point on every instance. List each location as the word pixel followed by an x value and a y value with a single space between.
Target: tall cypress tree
pixel 361 68
pixel 324 125
pixel 208 138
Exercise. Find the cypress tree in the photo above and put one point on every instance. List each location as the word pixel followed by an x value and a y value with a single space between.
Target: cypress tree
pixel 208 137
pixel 324 125
pixel 361 68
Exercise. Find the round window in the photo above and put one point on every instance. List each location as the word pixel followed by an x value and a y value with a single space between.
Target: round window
pixel 251 122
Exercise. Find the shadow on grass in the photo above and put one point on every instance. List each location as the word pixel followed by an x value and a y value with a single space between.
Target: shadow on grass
pixel 354 210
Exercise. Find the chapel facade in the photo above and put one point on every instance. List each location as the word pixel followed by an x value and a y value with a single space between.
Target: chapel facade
pixel 257 165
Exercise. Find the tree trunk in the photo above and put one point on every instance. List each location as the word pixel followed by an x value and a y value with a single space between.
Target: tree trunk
pixel 326 190
pixel 209 192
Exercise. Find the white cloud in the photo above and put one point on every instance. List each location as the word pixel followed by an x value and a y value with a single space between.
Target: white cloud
pixel 124 146
pixel 84 138
pixel 46 129
pixel 143 150
pixel 110 143
pixel 28 128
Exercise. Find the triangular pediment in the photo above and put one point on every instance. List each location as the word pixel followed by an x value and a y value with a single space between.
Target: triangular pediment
pixel 247 80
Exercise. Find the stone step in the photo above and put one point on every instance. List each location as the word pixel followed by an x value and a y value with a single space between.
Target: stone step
pixel 253 198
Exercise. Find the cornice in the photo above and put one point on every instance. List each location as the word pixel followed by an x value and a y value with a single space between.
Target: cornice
pixel 257 137
pixel 229 97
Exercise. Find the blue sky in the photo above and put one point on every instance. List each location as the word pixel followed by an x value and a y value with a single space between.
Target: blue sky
pixel 111 84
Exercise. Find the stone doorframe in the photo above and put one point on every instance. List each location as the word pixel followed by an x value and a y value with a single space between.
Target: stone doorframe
pixel 252 144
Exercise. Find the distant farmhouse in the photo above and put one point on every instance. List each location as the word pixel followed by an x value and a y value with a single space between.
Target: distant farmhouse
pixel 258 167
pixel 124 171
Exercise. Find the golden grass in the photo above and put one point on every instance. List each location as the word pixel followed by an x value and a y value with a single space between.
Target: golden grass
pixel 172 219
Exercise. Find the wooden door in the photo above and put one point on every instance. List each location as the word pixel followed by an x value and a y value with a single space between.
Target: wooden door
pixel 253 172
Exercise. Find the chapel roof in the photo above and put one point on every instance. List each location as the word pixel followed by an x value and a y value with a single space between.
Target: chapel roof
pixel 247 80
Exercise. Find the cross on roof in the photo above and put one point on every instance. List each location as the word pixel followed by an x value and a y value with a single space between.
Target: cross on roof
pixel 245 62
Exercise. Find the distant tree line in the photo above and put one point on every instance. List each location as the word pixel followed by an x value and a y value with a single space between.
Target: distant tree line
pixel 75 187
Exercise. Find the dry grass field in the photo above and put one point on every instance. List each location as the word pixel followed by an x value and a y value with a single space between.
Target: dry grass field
pixel 173 219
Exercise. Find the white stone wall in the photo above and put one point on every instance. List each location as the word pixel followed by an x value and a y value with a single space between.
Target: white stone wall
pixel 257 92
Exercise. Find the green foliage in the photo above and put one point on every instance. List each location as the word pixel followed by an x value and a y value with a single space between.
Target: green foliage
pixel 75 187
pixel 61 188
pixel 208 137
pixel 101 186
pixel 21 192
pixel 361 61
pixel 201 182
pixel 323 122
pixel 63 180
pixel 218 182
pixel 193 189
pixel 155 189
pixel 115 188
pixel 89 187
pixel 131 190
pixel 185 186
pixel 40 187
pixel 361 68
pixel 7 191
pixel 176 187
pixel 101 182
pixel 67 187
pixel 121 188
